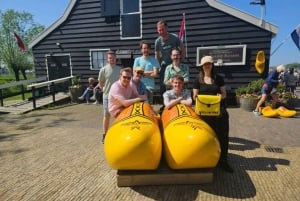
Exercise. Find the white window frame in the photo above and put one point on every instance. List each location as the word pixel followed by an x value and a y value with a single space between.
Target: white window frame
pixel 104 51
pixel 133 13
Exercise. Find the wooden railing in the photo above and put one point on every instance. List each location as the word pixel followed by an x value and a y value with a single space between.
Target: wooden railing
pixel 50 84
pixel 18 83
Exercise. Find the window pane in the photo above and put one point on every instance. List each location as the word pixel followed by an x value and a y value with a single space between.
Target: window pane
pixel 131 25
pixel 130 6
pixel 98 59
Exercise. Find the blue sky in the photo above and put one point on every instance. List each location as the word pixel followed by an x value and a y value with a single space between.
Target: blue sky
pixel 284 14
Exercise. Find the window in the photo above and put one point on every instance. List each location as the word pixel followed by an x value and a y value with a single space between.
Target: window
pixel 130 19
pixel 98 58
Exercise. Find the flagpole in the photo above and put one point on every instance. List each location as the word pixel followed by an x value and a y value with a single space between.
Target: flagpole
pixel 186 52
pixel 289 35
pixel 282 42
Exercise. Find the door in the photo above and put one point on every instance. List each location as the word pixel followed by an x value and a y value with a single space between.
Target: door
pixel 59 67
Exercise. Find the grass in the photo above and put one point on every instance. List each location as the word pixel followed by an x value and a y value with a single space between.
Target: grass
pixel 14 90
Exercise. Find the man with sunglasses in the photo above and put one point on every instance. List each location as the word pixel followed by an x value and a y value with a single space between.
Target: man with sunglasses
pixel 123 93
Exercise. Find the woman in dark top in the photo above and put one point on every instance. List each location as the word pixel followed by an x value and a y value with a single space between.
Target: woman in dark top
pixel 209 83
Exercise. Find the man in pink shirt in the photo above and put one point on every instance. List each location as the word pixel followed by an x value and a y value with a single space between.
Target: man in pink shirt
pixel 123 93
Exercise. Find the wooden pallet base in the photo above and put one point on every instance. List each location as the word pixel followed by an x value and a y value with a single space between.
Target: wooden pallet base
pixel 163 176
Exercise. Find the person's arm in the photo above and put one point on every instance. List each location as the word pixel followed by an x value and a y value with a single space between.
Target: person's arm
pixel 135 97
pixel 195 93
pixel 157 53
pixel 186 75
pixel 167 77
pixel 152 73
pixel 187 102
pixel 157 56
pixel 170 103
pixel 223 92
pixel 187 99
pixel 155 64
pixel 128 102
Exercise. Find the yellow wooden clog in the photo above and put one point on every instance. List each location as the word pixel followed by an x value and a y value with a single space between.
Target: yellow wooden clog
pixel 268 111
pixel 188 141
pixel 133 142
pixel 260 62
pixel 284 112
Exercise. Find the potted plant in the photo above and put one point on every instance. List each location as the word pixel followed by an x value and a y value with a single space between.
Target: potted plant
pixel 249 95
pixel 76 89
pixel 286 98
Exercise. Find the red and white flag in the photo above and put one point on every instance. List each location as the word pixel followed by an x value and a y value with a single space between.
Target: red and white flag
pixel 20 42
pixel 181 34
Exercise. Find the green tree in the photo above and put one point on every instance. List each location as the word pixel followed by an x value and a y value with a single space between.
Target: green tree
pixel 21 23
pixel 294 65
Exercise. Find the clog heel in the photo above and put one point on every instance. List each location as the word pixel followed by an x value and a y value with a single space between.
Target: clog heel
pixel 268 112
pixel 284 112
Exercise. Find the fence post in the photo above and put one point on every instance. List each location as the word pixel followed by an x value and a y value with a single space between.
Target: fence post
pixel 33 98
pixel 1 98
pixel 53 91
pixel 23 92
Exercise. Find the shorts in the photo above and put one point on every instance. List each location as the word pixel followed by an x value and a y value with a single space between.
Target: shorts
pixel 268 89
pixel 105 108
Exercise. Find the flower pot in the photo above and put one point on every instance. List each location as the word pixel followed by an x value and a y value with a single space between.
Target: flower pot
pixel 76 92
pixel 248 103
pixel 291 103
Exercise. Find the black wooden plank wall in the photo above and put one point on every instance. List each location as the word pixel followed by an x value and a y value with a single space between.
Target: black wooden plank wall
pixel 86 29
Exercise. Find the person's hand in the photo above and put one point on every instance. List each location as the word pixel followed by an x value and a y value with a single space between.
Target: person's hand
pixel 143 97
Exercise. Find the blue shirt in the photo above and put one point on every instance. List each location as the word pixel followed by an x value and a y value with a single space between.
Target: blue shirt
pixel 149 64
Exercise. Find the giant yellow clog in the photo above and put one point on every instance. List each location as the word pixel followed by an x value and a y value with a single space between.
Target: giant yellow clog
pixel 284 112
pixel 260 62
pixel 188 141
pixel 268 111
pixel 133 142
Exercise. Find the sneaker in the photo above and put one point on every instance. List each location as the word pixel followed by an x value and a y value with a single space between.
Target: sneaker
pixel 80 97
pixel 95 103
pixel 93 98
pixel 103 138
pixel 256 113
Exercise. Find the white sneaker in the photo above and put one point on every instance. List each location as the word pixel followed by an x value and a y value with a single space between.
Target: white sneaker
pixel 93 98
pixel 95 103
pixel 81 98
pixel 256 113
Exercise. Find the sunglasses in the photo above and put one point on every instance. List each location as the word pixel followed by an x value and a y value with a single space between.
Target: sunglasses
pixel 126 77
pixel 140 72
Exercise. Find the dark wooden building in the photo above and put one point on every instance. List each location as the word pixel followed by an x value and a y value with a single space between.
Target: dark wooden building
pixel 76 43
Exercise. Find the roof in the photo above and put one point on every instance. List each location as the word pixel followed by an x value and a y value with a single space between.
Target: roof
pixel 244 16
pixel 213 3
pixel 52 27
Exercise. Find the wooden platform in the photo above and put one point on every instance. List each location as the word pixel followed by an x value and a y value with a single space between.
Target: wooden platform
pixel 163 176
pixel 27 106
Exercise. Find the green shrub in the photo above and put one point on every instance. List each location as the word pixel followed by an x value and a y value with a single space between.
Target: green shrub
pixel 253 88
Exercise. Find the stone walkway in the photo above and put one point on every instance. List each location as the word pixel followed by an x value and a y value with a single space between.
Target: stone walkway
pixel 57 154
